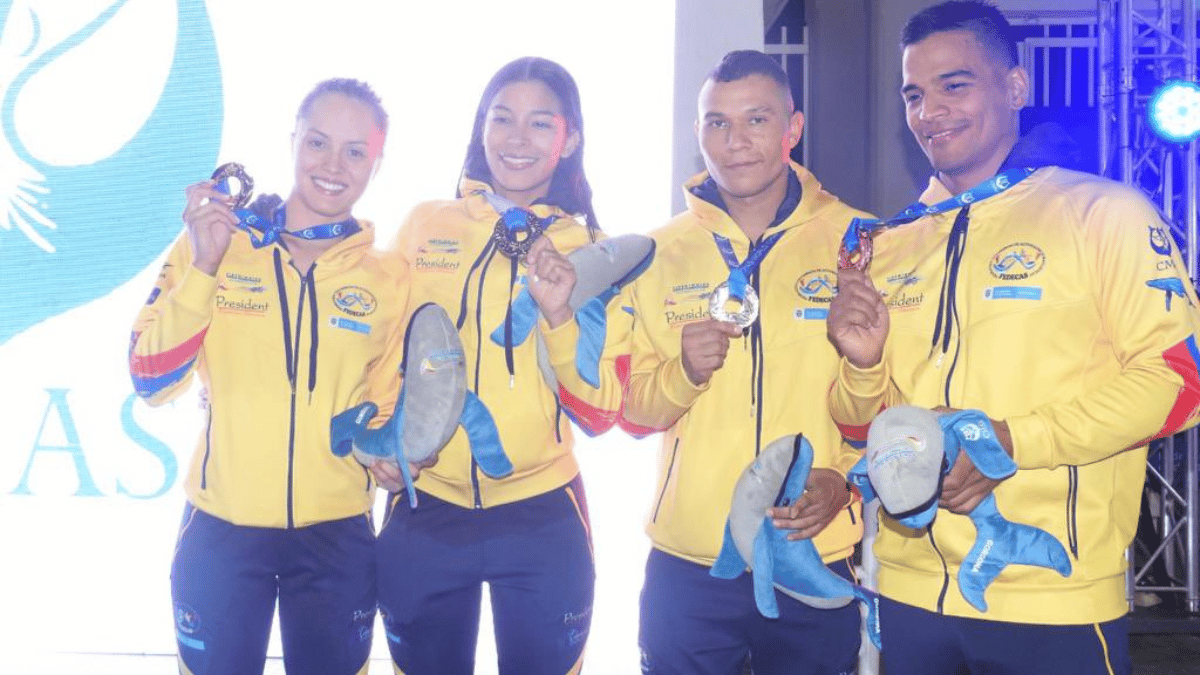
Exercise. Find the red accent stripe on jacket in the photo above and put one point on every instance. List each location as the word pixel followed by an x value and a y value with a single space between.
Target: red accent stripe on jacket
pixel 156 365
pixel 636 430
pixel 1183 359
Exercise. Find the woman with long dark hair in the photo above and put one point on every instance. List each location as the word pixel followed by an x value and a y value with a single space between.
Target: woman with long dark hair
pixel 522 200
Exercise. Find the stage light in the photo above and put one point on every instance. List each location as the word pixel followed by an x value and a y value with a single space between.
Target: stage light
pixel 1174 111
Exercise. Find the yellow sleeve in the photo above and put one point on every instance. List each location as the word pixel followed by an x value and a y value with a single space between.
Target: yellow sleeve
pixel 384 376
pixel 170 328
pixel 659 391
pixel 593 409
pixel 858 395
pixel 1148 308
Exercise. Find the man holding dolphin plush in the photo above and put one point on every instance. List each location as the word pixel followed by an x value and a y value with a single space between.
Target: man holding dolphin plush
pixel 1050 301
pixel 724 380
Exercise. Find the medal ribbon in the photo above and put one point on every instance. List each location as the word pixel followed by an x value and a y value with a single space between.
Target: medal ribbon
pixel 861 230
pixel 274 226
pixel 739 273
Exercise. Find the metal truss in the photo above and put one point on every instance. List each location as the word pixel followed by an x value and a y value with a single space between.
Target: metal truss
pixel 1142 44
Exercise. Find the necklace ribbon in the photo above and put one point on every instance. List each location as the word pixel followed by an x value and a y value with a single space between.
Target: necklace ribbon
pixel 856 249
pixel 737 286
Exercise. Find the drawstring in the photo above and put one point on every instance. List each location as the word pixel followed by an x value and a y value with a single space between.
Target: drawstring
pixel 291 343
pixel 481 262
pixel 479 313
pixel 508 327
pixel 462 308
pixel 947 314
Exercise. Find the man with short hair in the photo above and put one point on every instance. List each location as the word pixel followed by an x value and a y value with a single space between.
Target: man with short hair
pixel 1055 303
pixel 721 394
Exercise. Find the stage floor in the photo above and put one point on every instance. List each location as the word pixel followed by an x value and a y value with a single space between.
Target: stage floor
pixel 1153 654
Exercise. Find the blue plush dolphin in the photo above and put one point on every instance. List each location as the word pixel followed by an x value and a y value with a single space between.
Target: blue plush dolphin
pixel 777 478
pixel 433 403
pixel 904 442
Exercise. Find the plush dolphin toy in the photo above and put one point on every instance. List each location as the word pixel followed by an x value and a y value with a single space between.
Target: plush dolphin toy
pixel 601 270
pixel 910 450
pixel 776 478
pixel 433 403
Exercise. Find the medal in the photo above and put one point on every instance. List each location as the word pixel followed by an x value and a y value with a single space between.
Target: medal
pixel 744 316
pixel 737 286
pixel 517 228
pixel 859 257
pixel 515 232
pixel 244 181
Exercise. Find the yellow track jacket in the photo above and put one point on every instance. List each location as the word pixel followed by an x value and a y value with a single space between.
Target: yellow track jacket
pixel 774 381
pixel 441 242
pixel 1076 326
pixel 280 355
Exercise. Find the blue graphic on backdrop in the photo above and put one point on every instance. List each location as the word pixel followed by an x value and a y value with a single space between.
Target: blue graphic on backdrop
pixel 71 234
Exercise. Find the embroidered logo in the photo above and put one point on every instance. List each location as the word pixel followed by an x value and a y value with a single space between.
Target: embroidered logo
pixel 685 293
pixel 1172 286
pixel 438 255
pixel 902 298
pixel 233 281
pixel 1017 261
pixel 1160 239
pixel 819 285
pixel 354 300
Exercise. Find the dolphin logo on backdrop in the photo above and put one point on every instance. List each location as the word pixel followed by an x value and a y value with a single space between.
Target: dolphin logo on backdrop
pixel 71 234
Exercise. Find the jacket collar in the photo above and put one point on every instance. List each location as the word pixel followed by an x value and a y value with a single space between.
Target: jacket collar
pixel 479 208
pixel 802 203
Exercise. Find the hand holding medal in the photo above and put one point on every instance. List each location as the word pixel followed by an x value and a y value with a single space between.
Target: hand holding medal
pixel 858 320
pixel 210 225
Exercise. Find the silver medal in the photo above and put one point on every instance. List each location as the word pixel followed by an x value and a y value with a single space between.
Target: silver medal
pixel 745 315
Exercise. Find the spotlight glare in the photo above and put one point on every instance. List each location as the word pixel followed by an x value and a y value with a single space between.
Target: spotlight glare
pixel 1174 111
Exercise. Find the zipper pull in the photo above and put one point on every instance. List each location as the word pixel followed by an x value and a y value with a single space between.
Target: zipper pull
pixel 941 357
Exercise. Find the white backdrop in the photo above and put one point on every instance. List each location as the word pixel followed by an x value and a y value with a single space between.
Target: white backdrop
pixel 109 108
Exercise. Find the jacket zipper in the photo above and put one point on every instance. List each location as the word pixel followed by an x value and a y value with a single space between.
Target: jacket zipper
pixel 291 521
pixel 667 480
pixel 1072 508
pixel 292 364
pixel 945 572
pixel 475 483
pixel 207 450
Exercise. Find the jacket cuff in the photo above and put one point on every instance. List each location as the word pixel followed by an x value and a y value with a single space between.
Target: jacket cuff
pixel 864 383
pixel 195 291
pixel 1033 447
pixel 560 342
pixel 678 389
